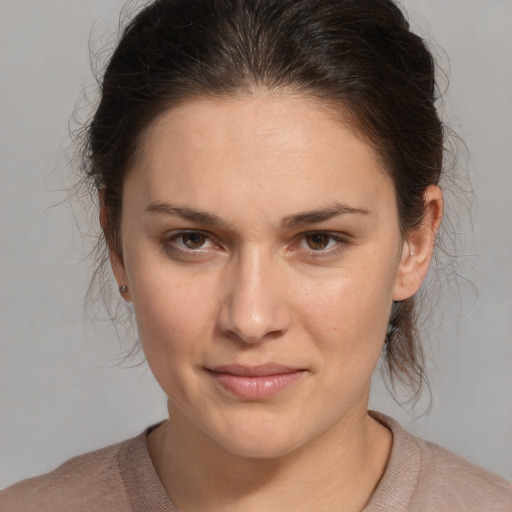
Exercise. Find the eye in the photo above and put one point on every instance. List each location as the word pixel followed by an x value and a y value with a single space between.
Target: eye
pixel 320 241
pixel 192 240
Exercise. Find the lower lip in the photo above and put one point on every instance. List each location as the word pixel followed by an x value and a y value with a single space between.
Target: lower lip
pixel 256 388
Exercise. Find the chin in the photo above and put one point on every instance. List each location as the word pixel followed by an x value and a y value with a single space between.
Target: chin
pixel 260 438
pixel 258 448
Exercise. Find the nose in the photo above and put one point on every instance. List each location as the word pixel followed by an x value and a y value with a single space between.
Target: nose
pixel 254 306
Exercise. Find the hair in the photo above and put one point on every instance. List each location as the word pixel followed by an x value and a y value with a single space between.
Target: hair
pixel 356 55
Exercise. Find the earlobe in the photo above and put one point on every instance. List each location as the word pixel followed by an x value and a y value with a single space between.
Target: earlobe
pixel 418 247
pixel 115 258
pixel 119 272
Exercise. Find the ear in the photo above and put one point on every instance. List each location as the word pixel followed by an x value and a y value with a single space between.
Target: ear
pixel 418 247
pixel 114 254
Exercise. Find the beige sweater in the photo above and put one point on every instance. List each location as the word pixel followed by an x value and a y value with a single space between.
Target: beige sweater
pixel 420 477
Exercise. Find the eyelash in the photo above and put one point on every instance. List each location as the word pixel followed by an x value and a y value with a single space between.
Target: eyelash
pixel 340 243
pixel 171 245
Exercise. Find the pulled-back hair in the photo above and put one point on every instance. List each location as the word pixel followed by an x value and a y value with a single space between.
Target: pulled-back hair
pixel 358 56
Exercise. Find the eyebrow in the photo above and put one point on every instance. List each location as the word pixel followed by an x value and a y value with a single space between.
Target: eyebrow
pixel 321 215
pixel 298 219
pixel 191 214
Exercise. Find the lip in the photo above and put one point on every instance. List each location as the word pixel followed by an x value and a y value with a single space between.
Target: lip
pixel 254 383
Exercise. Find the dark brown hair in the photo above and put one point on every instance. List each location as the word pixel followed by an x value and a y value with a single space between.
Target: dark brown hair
pixel 358 55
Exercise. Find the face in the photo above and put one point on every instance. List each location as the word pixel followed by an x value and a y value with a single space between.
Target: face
pixel 262 252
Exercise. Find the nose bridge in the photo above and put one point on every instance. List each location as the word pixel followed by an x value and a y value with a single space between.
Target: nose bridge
pixel 254 306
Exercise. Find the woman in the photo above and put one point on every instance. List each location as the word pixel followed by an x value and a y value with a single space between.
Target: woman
pixel 268 179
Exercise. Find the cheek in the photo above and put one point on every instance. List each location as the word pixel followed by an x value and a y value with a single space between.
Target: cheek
pixel 347 315
pixel 173 315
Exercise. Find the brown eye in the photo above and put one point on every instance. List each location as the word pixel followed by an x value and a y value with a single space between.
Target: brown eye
pixel 193 240
pixel 318 241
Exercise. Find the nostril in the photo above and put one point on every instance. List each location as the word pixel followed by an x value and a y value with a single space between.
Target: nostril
pixel 253 307
pixel 253 324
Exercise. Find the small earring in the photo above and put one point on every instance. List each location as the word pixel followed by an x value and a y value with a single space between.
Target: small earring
pixel 123 288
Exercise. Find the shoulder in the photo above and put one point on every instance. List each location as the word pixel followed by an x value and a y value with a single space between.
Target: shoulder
pixel 90 481
pixel 458 481
pixel 425 477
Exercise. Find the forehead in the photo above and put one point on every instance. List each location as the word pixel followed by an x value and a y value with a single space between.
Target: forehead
pixel 218 151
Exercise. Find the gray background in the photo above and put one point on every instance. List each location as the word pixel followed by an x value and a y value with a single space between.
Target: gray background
pixel 63 390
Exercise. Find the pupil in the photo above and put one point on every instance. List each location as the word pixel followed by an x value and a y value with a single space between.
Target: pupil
pixel 318 241
pixel 193 240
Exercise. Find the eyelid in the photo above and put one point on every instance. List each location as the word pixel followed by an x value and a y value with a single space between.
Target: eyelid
pixel 171 236
pixel 342 241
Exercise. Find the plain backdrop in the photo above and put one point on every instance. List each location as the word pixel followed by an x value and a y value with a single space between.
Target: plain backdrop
pixel 63 387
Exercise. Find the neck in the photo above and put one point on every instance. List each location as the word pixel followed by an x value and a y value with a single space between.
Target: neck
pixel 342 466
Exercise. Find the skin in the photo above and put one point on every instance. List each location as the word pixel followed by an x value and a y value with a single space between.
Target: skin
pixel 264 284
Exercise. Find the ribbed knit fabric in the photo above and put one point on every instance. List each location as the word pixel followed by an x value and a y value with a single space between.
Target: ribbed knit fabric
pixel 420 477
pixel 423 477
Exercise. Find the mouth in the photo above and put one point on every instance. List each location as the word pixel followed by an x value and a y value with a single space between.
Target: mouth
pixel 255 383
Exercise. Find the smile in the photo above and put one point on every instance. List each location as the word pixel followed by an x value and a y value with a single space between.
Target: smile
pixel 256 382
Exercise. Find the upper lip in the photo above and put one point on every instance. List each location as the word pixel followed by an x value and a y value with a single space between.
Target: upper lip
pixel 254 371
